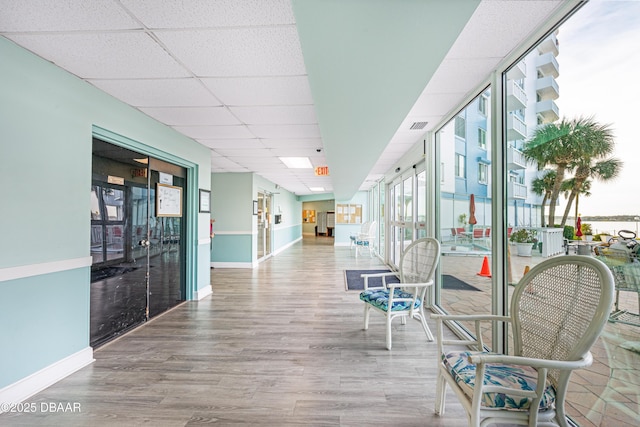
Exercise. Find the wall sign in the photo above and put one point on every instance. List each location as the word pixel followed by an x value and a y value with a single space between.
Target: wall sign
pixel 205 201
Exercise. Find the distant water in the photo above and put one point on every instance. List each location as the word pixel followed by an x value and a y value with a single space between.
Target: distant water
pixel 610 227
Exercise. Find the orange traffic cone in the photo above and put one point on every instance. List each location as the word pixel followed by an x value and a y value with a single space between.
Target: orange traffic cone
pixel 484 271
pixel 530 287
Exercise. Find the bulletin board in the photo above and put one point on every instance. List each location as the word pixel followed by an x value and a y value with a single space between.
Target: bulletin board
pixel 309 216
pixel 168 200
pixel 348 214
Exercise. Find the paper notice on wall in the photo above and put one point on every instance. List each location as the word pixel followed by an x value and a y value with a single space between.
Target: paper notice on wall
pixel 165 178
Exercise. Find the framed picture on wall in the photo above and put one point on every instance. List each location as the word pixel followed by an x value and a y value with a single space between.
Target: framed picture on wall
pixel 168 200
pixel 205 201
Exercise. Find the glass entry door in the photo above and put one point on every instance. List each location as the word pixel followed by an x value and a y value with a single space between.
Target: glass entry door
pixel 138 268
pixel 264 225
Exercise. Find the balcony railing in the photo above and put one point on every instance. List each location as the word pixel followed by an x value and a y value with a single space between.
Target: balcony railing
pixel 548 110
pixel 548 65
pixel 517 191
pixel 515 159
pixel 550 44
pixel 518 71
pixel 516 96
pixel 547 88
pixel 516 128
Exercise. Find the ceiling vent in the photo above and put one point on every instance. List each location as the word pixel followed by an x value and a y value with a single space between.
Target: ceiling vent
pixel 418 125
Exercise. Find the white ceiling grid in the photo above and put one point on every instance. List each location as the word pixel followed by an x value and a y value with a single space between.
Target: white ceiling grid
pixel 231 73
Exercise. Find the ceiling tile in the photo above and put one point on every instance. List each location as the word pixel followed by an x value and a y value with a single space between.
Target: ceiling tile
pixel 294 151
pixel 207 13
pixel 434 104
pixel 222 163
pixel 495 25
pixel 292 90
pixel 283 115
pixel 159 92
pixel 315 143
pixel 185 116
pixel 104 55
pixel 254 153
pixel 213 132
pixel 244 144
pixel 286 131
pixel 450 74
pixel 232 52
pixel 64 15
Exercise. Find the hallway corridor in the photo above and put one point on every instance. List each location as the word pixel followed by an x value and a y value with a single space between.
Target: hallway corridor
pixel 281 344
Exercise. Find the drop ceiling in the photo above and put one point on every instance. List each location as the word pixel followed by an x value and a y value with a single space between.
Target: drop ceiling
pixel 340 82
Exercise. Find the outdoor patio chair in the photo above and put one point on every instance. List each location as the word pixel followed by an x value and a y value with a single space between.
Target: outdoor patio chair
pixel 404 299
pixel 558 310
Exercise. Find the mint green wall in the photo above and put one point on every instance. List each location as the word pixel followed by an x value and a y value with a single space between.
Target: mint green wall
pixel 232 248
pixel 232 196
pixel 47 117
pixel 37 328
pixel 286 204
pixel 232 208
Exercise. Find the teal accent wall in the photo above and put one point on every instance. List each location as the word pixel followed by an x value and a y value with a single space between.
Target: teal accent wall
pixel 47 119
pixel 232 208
pixel 287 235
pixel 236 228
pixel 232 201
pixel 44 319
pixel 232 248
pixel 288 206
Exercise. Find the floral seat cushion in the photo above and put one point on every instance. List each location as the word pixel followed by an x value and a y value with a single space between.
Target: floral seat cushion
pixel 380 298
pixel 518 377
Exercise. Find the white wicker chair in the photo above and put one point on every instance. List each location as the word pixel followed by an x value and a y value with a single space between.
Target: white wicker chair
pixel 558 310
pixel 364 229
pixel 404 299
pixel 366 239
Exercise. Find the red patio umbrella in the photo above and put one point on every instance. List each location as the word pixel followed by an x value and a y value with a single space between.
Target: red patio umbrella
pixel 578 227
pixel 472 211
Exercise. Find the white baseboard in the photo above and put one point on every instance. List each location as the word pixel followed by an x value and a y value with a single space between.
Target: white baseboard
pixel 38 381
pixel 203 292
pixel 287 246
pixel 232 265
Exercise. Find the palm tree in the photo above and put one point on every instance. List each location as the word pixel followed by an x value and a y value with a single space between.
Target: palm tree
pixel 542 187
pixel 567 187
pixel 604 170
pixel 565 145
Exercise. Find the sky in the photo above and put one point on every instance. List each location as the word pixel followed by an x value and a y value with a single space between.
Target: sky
pixel 600 76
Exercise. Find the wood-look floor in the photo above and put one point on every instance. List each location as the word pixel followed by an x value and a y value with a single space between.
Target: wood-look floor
pixel 279 345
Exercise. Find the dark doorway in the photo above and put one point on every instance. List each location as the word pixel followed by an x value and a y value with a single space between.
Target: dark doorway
pixel 137 230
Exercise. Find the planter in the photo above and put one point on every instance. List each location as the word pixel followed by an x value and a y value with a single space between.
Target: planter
pixel 588 237
pixel 524 249
pixel 584 249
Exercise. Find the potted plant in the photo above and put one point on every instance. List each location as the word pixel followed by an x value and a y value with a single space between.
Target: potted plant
pixel 524 239
pixel 462 220
pixel 587 233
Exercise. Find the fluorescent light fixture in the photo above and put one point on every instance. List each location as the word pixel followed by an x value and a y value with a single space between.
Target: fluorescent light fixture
pixel 316 188
pixel 297 162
